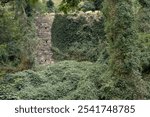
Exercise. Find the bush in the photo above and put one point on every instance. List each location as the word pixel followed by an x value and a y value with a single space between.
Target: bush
pixel 144 44
pixel 70 80
pixel 55 82
pixel 10 35
pixel 144 34
pixel 16 39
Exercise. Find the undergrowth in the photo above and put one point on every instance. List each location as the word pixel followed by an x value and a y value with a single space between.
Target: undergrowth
pixel 63 80
pixel 67 80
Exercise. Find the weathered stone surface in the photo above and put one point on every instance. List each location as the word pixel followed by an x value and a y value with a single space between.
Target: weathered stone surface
pixel 43 53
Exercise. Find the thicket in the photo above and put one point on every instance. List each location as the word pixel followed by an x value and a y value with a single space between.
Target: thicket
pixel 124 61
pixel 78 36
pixel 117 44
pixel 63 80
pixel 15 42
pixel 80 5
pixel 144 33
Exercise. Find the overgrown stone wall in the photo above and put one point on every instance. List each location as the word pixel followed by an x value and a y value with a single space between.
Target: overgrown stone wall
pixel 78 36
pixel 43 54
pixel 75 36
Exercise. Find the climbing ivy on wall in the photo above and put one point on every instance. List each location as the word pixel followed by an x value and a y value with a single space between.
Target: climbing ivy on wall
pixel 78 37
pixel 144 16
pixel 144 33
pixel 124 63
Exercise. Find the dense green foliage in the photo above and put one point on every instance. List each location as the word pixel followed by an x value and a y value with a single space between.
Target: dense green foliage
pixel 64 80
pixel 144 33
pixel 80 5
pixel 50 5
pixel 122 36
pixel 86 6
pixel 78 37
pixel 15 42
pixel 144 16
pixel 8 42
pixel 21 7
pixel 107 54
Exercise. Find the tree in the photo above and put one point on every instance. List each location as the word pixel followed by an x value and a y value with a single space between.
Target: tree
pixel 98 4
pixel 144 16
pixel 15 39
pixel 68 5
pixel 21 6
pixel 50 5
pixel 124 64
pixel 143 24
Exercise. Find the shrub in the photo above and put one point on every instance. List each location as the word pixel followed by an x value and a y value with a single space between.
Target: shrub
pixel 16 39
pixel 144 44
pixel 55 82
pixel 144 34
pixel 70 80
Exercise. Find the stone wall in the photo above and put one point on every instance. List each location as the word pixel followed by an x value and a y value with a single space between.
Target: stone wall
pixel 44 24
pixel 43 53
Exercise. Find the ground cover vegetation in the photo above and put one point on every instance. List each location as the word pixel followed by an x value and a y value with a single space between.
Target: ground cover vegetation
pixel 103 53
